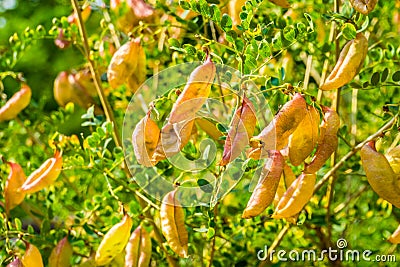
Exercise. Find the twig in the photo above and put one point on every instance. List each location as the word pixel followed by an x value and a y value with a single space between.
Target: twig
pixel 213 241
pixel 96 78
pixel 351 153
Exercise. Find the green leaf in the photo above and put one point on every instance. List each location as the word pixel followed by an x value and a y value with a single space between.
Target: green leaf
pixel 396 76
pixel 310 22
pixel 205 185
pixel 289 33
pixel 210 233
pixel 18 224
pixel 349 31
pixel 375 79
pixel 184 4
pixel 174 42
pixel 385 74
pixel 231 36
pixel 221 128
pixel 190 49
pixel 215 14
pixel 226 22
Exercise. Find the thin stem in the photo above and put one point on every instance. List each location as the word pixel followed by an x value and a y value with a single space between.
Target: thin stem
pixel 213 240
pixel 346 157
pixel 96 78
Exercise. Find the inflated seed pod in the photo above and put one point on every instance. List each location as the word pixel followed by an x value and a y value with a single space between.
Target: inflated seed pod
pixel 304 138
pixel 276 135
pixel 380 174
pixel 264 193
pixel 242 128
pixel 328 140
pixel 173 224
pixel 350 61
pixel 114 241
pixel 44 176
pixel 19 101
pixel 296 196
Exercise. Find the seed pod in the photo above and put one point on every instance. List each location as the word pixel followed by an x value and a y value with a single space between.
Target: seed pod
pixel 350 61
pixel 173 224
pixel 276 135
pixel 60 256
pixel 304 138
pixel 138 77
pixel 145 139
pixel 234 9
pixel 19 101
pixel 264 193
pixel 296 196
pixel 364 6
pixel 15 180
pixel 393 157
pixel 32 256
pixel 123 63
pixel 395 237
pixel 138 249
pixel 380 175
pixel 210 128
pixel 15 263
pixel 172 139
pixel 281 3
pixel 242 127
pixel 195 93
pixel 327 142
pixel 114 241
pixel 44 176
pixel 68 89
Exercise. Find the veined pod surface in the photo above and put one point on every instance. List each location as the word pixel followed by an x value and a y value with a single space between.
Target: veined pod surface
pixel 138 77
pixel 145 139
pixel 281 3
pixel 60 256
pixel 44 176
pixel 138 249
pixel 242 128
pixel 276 135
pixel 395 237
pixel 380 175
pixel 114 241
pixel 264 193
pixel 173 224
pixel 296 196
pixel 364 6
pixel 13 197
pixel 304 138
pixel 194 94
pixel 123 63
pixel 349 63
pixel 328 140
pixel 172 139
pixel 19 101
pixel 32 256
pixel 393 157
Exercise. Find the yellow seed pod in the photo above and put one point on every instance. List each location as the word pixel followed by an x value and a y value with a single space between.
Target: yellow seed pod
pixel 32 256
pixel 138 249
pixel 173 224
pixel 364 6
pixel 19 101
pixel 145 139
pixel 60 256
pixel 380 175
pixel 349 63
pixel 304 138
pixel 264 193
pixel 296 197
pixel 114 241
